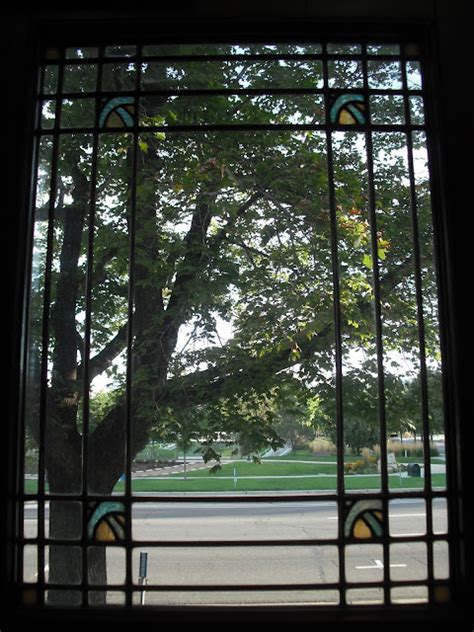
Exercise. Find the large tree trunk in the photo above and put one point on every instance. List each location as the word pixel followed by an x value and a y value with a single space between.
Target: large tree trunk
pixel 155 333
pixel 66 520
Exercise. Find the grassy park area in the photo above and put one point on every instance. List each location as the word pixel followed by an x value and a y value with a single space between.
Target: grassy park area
pixel 298 471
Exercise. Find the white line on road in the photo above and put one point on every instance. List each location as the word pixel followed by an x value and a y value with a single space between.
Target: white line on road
pixel 379 564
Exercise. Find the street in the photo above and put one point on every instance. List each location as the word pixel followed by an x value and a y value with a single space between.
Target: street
pixel 265 565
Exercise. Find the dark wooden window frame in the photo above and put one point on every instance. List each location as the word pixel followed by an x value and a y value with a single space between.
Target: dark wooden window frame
pixel 29 34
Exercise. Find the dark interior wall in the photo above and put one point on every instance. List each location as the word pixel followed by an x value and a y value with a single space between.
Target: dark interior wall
pixel 453 135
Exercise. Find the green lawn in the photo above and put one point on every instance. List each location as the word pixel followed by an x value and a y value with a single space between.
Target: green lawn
pixel 268 475
pixel 215 484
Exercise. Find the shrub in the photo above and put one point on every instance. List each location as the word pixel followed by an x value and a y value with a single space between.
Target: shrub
pixel 411 449
pixel 322 447
pixel 361 467
pixel 368 456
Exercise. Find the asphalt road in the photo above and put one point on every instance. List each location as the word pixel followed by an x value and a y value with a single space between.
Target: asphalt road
pixel 265 565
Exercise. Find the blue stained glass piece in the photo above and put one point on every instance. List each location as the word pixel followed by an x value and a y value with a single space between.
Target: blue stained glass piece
pixel 346 101
pixel 364 508
pixel 116 104
pixel 102 509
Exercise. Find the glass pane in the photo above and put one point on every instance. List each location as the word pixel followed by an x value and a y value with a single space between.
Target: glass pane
pixel 440 515
pixel 180 50
pixel 409 594
pixel 344 49
pixel 192 75
pixel 360 414
pixel 109 597
pixel 407 517
pixel 80 78
pixel 440 560
pixel 30 563
pixel 417 110
pixel 399 305
pixel 120 51
pixel 387 110
pixel 109 312
pixel 48 115
pixel 231 110
pixel 365 596
pixel 66 323
pixel 414 78
pixel 35 316
pixel 63 520
pixel 364 563
pixel 81 53
pixel 345 74
pixel 383 49
pixel 50 79
pixel 114 571
pixel 118 77
pixel 408 561
pixel 238 565
pixel 64 566
pixel 235 597
pixel 30 519
pixel 285 233
pixel 78 113
pixel 233 521
pixel 386 75
pixel 430 313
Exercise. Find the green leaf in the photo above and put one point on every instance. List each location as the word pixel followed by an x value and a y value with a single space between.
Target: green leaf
pixel 143 146
pixel 367 261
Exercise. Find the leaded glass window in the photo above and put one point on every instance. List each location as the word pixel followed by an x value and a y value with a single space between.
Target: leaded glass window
pixel 234 379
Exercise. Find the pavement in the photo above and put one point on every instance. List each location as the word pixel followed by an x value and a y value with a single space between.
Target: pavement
pixel 163 529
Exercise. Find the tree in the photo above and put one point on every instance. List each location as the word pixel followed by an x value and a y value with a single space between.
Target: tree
pixel 210 276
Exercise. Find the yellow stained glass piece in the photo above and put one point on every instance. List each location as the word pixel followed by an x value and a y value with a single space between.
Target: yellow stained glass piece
pixel 346 118
pixel 114 120
pixel 361 530
pixel 104 533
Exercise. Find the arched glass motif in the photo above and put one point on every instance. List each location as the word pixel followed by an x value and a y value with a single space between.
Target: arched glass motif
pixel 106 521
pixel 348 109
pixel 117 112
pixel 364 520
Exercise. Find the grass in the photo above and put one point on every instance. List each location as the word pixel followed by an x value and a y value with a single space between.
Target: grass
pixel 223 480
pixel 215 484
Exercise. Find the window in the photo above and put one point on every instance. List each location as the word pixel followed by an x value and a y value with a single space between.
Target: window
pixel 232 247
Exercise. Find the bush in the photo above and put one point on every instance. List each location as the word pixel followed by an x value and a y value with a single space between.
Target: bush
pixel 411 449
pixel 368 456
pixel 361 467
pixel 322 447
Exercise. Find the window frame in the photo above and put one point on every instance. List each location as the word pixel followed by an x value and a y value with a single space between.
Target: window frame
pixel 56 30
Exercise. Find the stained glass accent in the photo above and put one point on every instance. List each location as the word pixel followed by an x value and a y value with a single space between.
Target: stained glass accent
pixel 364 519
pixel 348 109
pixel 117 112
pixel 106 521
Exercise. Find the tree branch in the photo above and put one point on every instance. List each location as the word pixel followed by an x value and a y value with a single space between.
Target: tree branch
pixel 100 362
pixel 227 378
